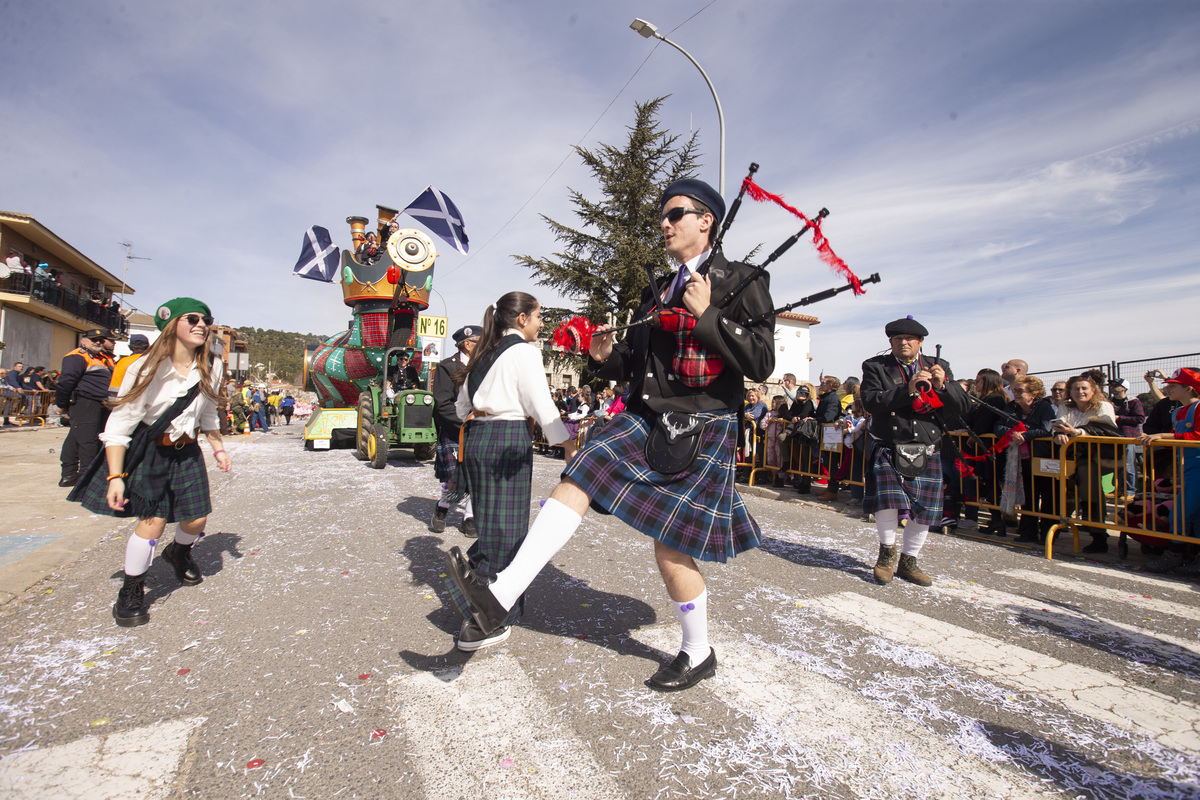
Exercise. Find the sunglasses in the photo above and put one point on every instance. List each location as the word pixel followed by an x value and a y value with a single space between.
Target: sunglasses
pixel 676 214
pixel 196 319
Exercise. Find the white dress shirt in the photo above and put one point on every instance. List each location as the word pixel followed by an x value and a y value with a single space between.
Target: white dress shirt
pixel 165 388
pixel 515 388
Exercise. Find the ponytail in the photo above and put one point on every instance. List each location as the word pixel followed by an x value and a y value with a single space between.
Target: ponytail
pixel 497 318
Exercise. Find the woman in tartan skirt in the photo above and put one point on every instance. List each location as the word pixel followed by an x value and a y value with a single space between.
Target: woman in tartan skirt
pixel 168 483
pixel 503 384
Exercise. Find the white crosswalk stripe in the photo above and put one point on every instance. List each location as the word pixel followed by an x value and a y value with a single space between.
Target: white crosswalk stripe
pixel 1077 587
pixel 1084 690
pixel 486 732
pixel 842 738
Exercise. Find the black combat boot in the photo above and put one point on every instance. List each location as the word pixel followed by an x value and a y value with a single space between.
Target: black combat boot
pixel 179 556
pixel 129 610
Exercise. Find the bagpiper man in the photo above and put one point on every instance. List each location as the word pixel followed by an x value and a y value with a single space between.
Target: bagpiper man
pixel 666 466
pixel 903 392
pixel 447 422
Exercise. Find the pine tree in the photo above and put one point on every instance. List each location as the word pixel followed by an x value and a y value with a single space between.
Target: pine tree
pixel 601 266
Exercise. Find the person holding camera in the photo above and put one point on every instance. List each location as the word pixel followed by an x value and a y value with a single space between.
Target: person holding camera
pixel 904 391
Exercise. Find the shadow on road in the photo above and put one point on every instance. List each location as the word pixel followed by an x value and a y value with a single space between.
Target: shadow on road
pixel 557 604
pixel 809 556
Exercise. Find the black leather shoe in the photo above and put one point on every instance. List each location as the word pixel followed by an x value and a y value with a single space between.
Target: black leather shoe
pixel 486 610
pixel 68 480
pixel 438 523
pixel 680 674
pixel 179 556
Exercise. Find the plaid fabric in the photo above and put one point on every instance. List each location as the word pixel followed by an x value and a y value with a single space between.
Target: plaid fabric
pixel 375 329
pixel 498 466
pixel 692 362
pixel 445 465
pixel 349 391
pixel 697 512
pixel 920 497
pixel 186 497
pixel 356 365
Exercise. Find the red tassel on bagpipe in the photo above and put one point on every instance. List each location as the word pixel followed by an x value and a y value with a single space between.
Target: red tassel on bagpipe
pixel 1001 444
pixel 574 335
pixel 824 251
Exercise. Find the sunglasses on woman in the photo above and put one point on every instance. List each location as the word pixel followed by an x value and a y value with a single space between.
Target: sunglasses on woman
pixel 195 319
pixel 676 214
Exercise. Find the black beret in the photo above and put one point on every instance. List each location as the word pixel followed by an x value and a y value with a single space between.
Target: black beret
pixel 697 190
pixel 99 333
pixel 466 332
pixel 906 325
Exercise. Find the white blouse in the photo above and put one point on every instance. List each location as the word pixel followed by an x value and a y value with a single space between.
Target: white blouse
pixel 515 388
pixel 165 388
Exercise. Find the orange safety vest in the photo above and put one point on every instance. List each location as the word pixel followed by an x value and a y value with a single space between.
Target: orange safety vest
pixel 119 369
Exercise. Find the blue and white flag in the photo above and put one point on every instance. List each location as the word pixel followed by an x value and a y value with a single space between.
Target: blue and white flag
pixel 437 212
pixel 320 258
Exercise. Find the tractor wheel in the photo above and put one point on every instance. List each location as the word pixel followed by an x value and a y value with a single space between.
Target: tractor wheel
pixel 366 419
pixel 377 446
pixel 424 451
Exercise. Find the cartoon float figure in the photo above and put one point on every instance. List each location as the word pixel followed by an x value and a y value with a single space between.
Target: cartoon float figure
pixel 350 372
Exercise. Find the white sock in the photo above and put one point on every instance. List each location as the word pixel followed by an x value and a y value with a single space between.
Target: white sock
pixel 886 522
pixel 914 537
pixel 468 509
pixel 554 526
pixel 693 618
pixel 185 538
pixel 139 553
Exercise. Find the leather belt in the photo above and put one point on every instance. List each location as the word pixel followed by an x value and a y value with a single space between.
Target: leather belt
pixel 180 443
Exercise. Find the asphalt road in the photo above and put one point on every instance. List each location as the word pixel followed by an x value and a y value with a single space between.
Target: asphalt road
pixel 317 661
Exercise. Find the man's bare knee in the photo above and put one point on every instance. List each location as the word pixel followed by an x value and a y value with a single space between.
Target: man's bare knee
pixel 572 495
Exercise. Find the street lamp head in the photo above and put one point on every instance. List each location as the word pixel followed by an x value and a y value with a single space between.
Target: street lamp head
pixel 644 28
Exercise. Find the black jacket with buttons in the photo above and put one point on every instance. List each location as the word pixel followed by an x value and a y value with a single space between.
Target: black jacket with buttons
pixel 644 357
pixel 886 397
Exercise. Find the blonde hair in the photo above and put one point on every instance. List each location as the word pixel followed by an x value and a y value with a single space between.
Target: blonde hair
pixel 162 349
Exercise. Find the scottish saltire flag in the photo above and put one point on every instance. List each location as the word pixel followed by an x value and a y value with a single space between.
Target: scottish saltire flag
pixel 319 259
pixel 437 212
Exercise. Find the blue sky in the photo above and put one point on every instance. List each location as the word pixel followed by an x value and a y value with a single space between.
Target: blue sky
pixel 1023 175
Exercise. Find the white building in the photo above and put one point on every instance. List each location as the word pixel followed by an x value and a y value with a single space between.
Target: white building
pixel 793 346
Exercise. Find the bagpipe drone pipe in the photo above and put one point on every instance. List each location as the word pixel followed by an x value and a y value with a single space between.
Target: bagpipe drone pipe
pixel 575 334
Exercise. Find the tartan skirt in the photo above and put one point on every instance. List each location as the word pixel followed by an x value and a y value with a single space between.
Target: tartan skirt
pixel 445 464
pixel 498 467
pixel 186 497
pixel 921 497
pixel 698 512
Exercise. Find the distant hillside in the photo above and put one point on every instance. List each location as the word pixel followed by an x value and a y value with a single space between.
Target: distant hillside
pixel 283 350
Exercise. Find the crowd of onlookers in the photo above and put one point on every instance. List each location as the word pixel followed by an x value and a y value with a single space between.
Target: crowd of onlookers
pixel 987 459
pixel 46 283
pixel 255 408
pixel 20 387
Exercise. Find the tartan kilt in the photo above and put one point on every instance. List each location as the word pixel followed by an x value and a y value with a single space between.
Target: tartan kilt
pixel 498 467
pixel 186 497
pixel 445 464
pixel 698 512
pixel 921 497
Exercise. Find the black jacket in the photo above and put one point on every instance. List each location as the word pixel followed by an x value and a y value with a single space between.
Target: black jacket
pixel 644 357
pixel 829 408
pixel 445 396
pixel 885 395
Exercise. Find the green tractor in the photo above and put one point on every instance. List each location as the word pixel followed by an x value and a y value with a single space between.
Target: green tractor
pixel 405 421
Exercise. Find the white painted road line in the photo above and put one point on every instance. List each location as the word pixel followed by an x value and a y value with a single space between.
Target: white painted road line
pixel 843 738
pixel 139 763
pixel 488 732
pixel 1106 593
pixel 1086 691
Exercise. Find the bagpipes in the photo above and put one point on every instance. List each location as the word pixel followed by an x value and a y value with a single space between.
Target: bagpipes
pixel 575 334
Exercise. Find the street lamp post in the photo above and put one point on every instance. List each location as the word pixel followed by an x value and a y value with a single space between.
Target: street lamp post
pixel 648 31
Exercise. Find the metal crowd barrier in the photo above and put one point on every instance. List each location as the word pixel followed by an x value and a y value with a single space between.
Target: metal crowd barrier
pixel 26 408
pixel 819 460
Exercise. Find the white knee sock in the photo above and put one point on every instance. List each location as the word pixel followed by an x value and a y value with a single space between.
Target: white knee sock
pixel 185 538
pixel 886 522
pixel 139 553
pixel 914 537
pixel 468 509
pixel 554 526
pixel 693 618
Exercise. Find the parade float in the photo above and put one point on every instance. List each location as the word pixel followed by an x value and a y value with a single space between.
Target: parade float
pixel 357 374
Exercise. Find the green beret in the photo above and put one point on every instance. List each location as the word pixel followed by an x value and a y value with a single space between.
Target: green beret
pixel 177 308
